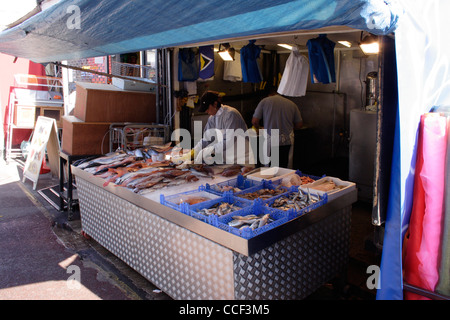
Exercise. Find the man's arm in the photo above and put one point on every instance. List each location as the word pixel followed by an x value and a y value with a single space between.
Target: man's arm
pixel 255 122
pixel 298 125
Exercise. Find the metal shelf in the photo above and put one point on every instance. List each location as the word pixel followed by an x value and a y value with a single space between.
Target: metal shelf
pixel 130 136
pixel 22 96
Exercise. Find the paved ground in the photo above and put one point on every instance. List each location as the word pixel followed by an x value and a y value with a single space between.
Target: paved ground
pixel 41 251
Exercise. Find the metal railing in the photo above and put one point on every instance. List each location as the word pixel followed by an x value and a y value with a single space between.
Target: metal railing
pixel 133 70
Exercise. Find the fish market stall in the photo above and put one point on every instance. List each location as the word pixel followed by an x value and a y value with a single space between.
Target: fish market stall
pixel 202 234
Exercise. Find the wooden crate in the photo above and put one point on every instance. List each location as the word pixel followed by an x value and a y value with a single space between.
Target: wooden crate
pixel 97 102
pixel 52 112
pixel 24 116
pixel 84 138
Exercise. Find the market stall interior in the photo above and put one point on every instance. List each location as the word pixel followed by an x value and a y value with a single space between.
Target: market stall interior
pixel 327 143
pixel 243 214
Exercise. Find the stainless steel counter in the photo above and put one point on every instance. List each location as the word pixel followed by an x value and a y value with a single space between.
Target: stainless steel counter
pixel 190 259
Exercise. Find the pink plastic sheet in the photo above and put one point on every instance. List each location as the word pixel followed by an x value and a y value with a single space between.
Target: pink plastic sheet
pixel 432 176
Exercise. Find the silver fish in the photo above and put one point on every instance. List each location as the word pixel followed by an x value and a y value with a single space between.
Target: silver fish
pixel 109 158
pixel 250 221
pixel 135 173
pixel 200 174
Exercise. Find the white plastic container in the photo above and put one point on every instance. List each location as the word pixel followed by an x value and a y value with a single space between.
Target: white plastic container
pixel 270 173
pixel 130 84
pixel 342 187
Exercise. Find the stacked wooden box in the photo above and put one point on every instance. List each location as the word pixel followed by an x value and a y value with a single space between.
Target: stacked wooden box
pixel 98 105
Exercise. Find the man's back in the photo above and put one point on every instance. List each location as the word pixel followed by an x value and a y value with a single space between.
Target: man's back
pixel 280 113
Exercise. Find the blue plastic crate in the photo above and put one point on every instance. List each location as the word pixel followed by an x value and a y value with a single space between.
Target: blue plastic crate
pixel 176 201
pixel 258 208
pixel 239 182
pixel 193 210
pixel 323 199
pixel 266 184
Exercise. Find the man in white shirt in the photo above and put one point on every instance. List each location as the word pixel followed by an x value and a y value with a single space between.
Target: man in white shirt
pixel 278 112
pixel 224 125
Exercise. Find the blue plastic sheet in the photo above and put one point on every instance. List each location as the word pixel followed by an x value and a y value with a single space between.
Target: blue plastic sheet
pixel 85 28
pixel 423 70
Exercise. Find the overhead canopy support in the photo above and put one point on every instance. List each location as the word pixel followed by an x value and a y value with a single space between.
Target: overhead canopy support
pixel 80 29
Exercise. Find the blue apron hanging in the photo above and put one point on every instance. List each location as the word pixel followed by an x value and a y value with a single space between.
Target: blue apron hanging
pixel 187 65
pixel 321 59
pixel 250 68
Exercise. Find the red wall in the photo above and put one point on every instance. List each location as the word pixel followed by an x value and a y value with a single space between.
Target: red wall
pixel 8 68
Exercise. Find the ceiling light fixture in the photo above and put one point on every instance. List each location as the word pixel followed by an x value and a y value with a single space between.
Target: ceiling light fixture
pixel 369 44
pixel 345 43
pixel 227 54
pixel 287 46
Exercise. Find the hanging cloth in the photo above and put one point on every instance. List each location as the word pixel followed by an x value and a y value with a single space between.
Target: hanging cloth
pixel 443 286
pixel 249 63
pixel 206 62
pixel 432 175
pixel 188 66
pixel 295 75
pixel 422 255
pixel 321 59
pixel 270 68
pixel 413 236
pixel 232 70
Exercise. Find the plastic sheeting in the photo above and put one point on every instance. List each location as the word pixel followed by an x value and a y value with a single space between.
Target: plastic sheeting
pixel 422 244
pixel 423 68
pixel 85 28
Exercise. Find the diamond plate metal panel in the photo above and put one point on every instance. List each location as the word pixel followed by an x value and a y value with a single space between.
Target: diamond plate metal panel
pixel 296 266
pixel 183 264
pixel 104 220
pixel 188 266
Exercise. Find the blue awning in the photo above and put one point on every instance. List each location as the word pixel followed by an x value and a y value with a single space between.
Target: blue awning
pixel 86 28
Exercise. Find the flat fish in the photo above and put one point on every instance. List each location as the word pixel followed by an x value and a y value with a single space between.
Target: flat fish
pixel 140 172
pixel 133 181
pixel 116 164
pixel 152 189
pixel 147 184
pixel 103 160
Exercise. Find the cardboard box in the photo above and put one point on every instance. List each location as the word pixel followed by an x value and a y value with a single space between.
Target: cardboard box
pixel 84 138
pixel 97 102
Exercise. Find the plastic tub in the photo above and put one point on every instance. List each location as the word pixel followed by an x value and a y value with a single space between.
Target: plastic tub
pixel 266 184
pixel 270 173
pixel 176 201
pixel 195 210
pixel 341 187
pixel 322 199
pixel 277 218
pixel 288 182
pixel 239 182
